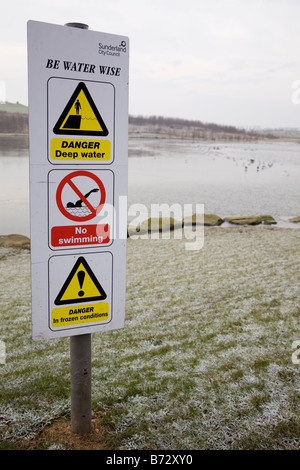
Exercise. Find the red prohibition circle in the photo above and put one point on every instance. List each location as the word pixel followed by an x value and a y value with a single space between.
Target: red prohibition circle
pixel 68 180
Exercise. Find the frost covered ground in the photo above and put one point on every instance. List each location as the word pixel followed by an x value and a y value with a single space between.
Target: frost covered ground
pixel 204 360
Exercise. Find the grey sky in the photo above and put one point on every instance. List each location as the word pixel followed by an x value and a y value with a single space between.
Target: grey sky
pixel 224 61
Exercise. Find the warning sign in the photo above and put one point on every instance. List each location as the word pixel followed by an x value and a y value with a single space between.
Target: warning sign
pixel 81 121
pixel 81 292
pixel 80 116
pixel 80 286
pixel 78 235
pixel 80 150
pixel 78 105
pixel 80 208
pixel 67 316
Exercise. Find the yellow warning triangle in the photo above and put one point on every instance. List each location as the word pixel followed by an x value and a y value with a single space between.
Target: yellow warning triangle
pixel 80 116
pixel 80 286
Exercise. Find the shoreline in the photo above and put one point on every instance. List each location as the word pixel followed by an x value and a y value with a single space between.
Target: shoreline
pixel 18 241
pixel 211 220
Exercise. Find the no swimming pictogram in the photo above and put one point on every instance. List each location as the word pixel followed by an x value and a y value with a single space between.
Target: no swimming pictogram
pixel 74 192
pixel 80 208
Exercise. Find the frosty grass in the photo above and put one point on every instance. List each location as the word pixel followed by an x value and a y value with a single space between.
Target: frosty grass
pixel 204 360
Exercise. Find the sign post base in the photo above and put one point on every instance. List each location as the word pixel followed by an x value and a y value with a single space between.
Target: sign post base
pixel 81 372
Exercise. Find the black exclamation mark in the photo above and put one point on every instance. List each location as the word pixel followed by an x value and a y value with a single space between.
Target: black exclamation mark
pixel 81 276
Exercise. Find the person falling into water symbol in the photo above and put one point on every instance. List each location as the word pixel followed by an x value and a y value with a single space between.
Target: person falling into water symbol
pixel 77 106
pixel 80 202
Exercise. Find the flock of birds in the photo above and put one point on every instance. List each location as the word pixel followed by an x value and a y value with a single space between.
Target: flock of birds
pixel 247 164
pixel 259 166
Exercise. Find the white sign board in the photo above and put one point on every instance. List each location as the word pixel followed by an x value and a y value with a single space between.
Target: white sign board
pixel 78 129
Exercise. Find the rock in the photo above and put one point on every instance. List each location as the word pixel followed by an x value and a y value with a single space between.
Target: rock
pixel 295 220
pixel 15 241
pixel 268 220
pixel 209 220
pixel 132 230
pixel 159 224
pixel 251 220
pixel 212 220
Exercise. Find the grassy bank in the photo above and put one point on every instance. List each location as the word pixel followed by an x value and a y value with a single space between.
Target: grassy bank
pixel 204 360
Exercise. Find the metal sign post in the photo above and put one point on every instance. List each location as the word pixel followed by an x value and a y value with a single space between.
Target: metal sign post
pixel 81 367
pixel 81 386
pixel 78 136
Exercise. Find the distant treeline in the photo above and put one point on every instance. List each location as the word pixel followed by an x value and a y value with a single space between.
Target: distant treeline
pixel 17 123
pixel 180 124
pixel 13 123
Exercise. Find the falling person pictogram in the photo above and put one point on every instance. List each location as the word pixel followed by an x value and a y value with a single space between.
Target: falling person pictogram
pixel 80 202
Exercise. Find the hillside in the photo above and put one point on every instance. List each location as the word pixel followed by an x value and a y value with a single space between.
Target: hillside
pixel 13 108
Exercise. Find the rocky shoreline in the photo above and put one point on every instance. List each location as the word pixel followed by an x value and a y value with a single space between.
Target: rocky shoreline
pixel 207 220
pixel 15 241
pixel 21 242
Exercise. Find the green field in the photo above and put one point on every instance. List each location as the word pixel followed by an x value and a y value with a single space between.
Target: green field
pixel 204 360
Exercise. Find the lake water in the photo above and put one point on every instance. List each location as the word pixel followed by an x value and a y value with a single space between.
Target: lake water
pixel 229 178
